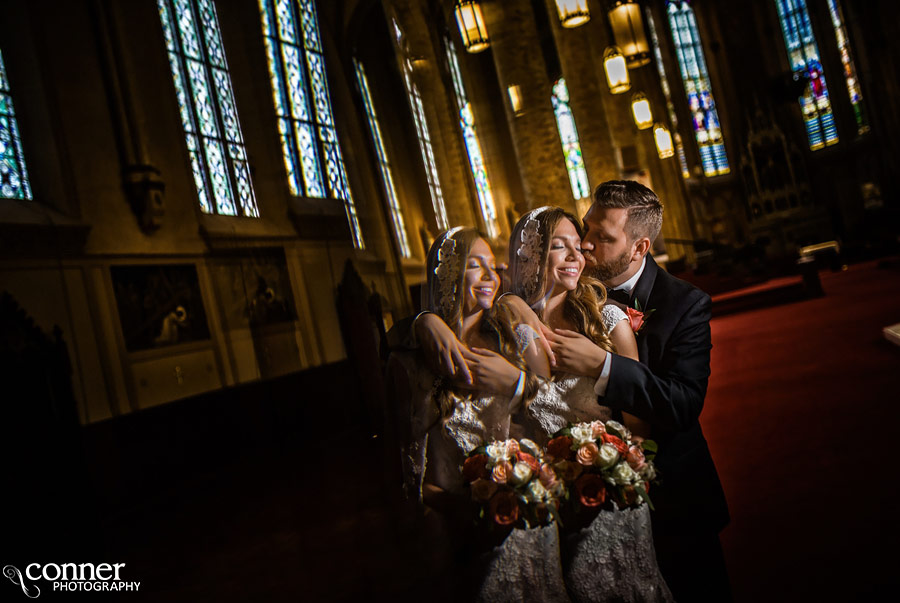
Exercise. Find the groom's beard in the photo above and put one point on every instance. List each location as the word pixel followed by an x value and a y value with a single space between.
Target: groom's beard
pixel 608 269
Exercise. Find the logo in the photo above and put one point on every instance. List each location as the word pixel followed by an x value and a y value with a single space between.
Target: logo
pixel 70 577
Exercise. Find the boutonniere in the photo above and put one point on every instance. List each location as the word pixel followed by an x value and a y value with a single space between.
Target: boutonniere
pixel 638 317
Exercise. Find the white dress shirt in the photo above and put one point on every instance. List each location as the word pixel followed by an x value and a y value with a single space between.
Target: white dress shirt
pixel 628 286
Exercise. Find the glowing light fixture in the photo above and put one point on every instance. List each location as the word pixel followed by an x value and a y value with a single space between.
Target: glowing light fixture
pixel 573 13
pixel 640 108
pixel 616 70
pixel 515 98
pixel 663 138
pixel 471 25
pixel 628 30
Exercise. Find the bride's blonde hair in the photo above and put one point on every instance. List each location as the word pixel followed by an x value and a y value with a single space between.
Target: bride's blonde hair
pixel 444 295
pixel 528 259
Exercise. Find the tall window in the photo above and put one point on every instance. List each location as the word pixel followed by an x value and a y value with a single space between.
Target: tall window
pixel 803 54
pixel 473 146
pixel 695 77
pixel 303 106
pixel 667 92
pixel 843 44
pixel 13 173
pixel 208 112
pixel 418 112
pixel 383 163
pixel 568 136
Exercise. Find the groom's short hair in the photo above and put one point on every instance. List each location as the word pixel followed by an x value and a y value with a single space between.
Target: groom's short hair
pixel 644 208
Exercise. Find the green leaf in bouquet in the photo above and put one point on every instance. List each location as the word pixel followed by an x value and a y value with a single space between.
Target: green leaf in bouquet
pixel 554 513
pixel 565 431
pixel 649 446
pixel 480 450
pixel 643 494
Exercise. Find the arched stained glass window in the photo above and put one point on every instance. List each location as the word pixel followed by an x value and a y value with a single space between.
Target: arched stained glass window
pixel 300 93
pixel 13 173
pixel 383 163
pixel 803 54
pixel 695 77
pixel 473 146
pixel 208 112
pixel 418 112
pixel 843 44
pixel 568 136
pixel 667 92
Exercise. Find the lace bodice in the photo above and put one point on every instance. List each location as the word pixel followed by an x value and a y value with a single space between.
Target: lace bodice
pixel 570 398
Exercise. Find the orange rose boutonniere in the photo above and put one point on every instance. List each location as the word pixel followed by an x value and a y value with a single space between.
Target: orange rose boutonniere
pixel 637 318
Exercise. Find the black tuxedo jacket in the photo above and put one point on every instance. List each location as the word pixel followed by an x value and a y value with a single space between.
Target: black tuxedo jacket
pixel 667 388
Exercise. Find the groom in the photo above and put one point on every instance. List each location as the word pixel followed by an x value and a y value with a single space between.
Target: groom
pixel 666 388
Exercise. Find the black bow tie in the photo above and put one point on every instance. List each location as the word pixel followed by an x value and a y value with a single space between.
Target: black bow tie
pixel 619 295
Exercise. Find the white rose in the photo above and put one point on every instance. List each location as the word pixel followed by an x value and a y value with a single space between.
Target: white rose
pixel 582 433
pixel 530 447
pixel 606 456
pixel 624 474
pixel 521 473
pixel 648 472
pixel 537 492
pixel 497 452
pixel 626 435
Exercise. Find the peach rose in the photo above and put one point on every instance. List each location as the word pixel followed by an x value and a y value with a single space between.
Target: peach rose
pixel 620 446
pixel 591 490
pixel 502 471
pixel 504 508
pixel 635 458
pixel 599 428
pixel 547 475
pixel 483 489
pixel 560 448
pixel 587 453
pixel 475 467
pixel 512 448
pixel 524 457
pixel 635 318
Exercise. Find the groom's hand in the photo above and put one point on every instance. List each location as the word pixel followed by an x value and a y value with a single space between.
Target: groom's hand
pixel 443 351
pixel 575 353
pixel 491 372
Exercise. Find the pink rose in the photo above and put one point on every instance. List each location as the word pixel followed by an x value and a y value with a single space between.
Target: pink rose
pixel 636 318
pixel 635 458
pixel 586 454
pixel 512 447
pixel 547 476
pixel 483 489
pixel 501 472
pixel 598 427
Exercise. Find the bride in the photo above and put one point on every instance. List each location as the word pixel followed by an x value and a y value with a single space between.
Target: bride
pixel 448 419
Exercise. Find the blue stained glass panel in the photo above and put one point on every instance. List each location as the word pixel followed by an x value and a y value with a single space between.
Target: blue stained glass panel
pixel 697 87
pixel 206 106
pixel 14 183
pixel 667 92
pixel 803 54
pixel 853 87
pixel 568 137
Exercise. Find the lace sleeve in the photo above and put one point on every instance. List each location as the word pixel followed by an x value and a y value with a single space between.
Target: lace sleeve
pixel 525 334
pixel 611 316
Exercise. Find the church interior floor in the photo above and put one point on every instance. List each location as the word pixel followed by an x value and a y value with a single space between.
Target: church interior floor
pixel 801 417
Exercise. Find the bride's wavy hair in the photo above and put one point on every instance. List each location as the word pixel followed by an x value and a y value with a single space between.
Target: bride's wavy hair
pixel 444 295
pixel 583 304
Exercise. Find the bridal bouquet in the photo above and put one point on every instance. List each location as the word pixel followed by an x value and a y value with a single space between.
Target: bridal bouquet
pixel 599 460
pixel 513 483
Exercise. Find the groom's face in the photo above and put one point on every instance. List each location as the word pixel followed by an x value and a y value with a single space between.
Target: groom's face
pixel 607 247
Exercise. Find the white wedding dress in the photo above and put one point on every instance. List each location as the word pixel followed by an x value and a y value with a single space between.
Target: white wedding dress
pixel 613 558
pixel 526 565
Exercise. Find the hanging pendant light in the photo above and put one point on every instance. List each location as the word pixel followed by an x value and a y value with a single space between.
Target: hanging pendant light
pixel 640 109
pixel 616 70
pixel 471 25
pixel 663 141
pixel 628 30
pixel 573 13
pixel 515 98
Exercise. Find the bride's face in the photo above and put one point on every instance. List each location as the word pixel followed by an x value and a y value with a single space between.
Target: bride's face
pixel 481 280
pixel 565 262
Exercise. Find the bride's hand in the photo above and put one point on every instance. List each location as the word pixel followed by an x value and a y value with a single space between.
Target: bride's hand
pixel 443 351
pixel 491 372
pixel 575 353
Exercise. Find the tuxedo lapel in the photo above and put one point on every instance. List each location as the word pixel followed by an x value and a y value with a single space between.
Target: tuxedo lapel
pixel 644 285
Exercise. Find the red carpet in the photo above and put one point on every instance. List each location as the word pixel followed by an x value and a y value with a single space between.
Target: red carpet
pixel 802 419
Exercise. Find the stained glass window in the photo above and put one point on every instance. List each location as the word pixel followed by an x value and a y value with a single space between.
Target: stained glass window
pixel 568 136
pixel 803 54
pixel 418 112
pixel 13 173
pixel 208 113
pixel 383 163
pixel 473 146
pixel 695 77
pixel 667 92
pixel 303 107
pixel 843 44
